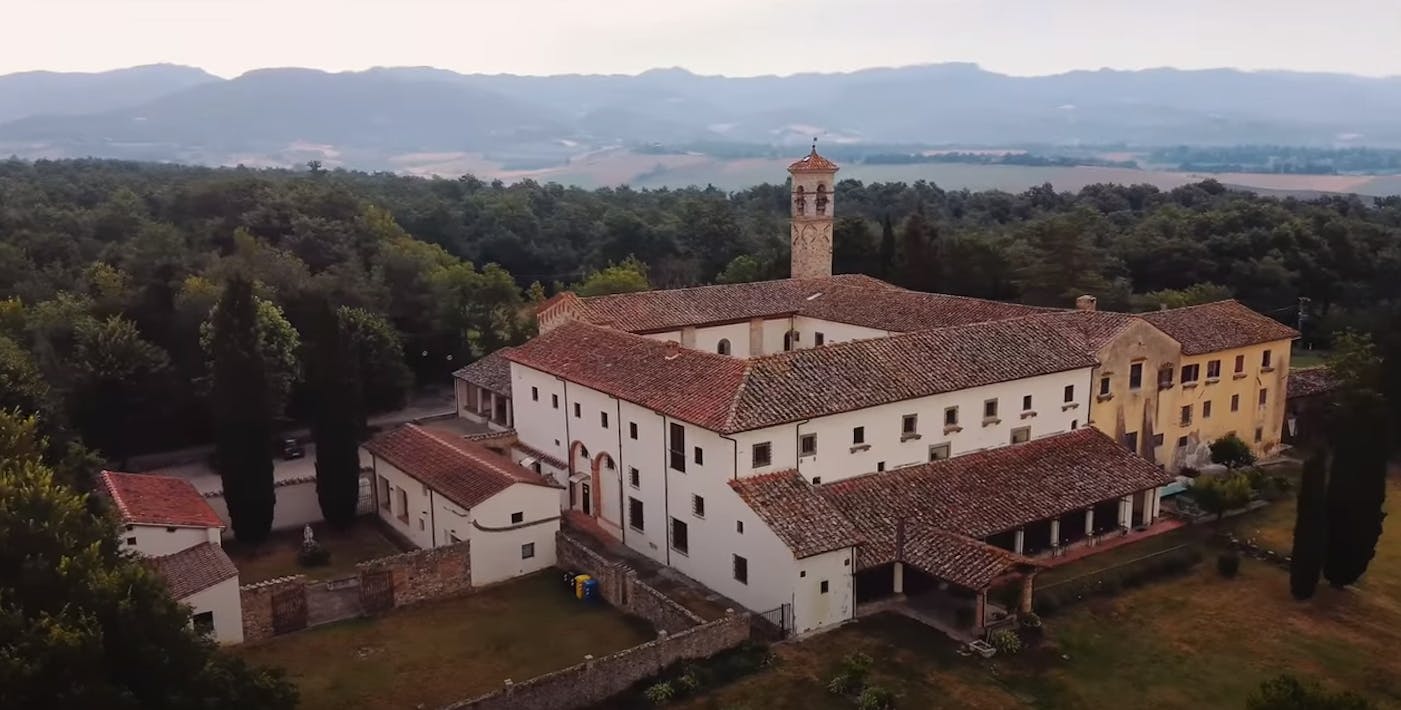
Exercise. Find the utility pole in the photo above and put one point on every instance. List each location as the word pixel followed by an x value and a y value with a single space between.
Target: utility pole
pixel 1303 301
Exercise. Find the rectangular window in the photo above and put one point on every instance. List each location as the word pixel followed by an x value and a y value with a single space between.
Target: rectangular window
pixel 1259 434
pixel 635 517
pixel 1070 393
pixel 603 419
pixel 527 550
pixel 1165 377
pixel 535 394
pixel 909 424
pixel 1136 376
pixel 858 435
pixel 1235 403
pixel 1104 385
pixel 517 518
pixel 1240 364
pixel 807 445
pixel 203 623
pixel 1186 415
pixel 1131 441
pixel 578 411
pixel 761 455
pixel 1265 359
pixel 1021 435
pixel 739 527
pixel 1157 440
pixel 1213 369
pixel 938 452
pixel 1206 410
pixel 880 465
pixel 634 478
pixel 741 566
pixel 679 537
pixel 820 339
pixel 699 455
pixel 384 492
pixel 1190 373
pixel 697 506
pixel 632 430
pixel 554 401
pixel 951 416
pixel 1264 397
pixel 823 586
pixel 1026 403
pixel 678 447
pixel 1181 442
pixel 990 409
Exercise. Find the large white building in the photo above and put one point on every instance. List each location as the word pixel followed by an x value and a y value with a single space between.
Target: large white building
pixel 810 444
pixel 166 520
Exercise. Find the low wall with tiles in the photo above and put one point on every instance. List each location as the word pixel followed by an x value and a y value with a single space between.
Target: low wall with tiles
pixel 619 585
pixel 256 600
pixel 423 575
pixel 596 680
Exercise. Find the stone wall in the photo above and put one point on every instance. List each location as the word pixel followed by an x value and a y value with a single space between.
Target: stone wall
pixel 619 585
pixel 596 680
pixel 425 574
pixel 256 600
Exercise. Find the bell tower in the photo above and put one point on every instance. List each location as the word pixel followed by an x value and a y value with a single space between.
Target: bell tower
pixel 812 205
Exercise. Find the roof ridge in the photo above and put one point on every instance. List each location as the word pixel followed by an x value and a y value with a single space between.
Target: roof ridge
pixel 739 394
pixel 111 487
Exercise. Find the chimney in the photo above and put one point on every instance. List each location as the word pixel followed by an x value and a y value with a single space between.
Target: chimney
pixel 673 349
pixel 1085 303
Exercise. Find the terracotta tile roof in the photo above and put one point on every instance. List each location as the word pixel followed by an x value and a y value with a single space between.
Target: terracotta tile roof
pixel 539 455
pixel 145 499
pixel 194 569
pixel 1309 382
pixel 805 521
pixel 904 311
pixel 812 163
pixel 956 558
pixel 728 395
pixel 1218 326
pixel 491 372
pixel 1091 329
pixel 465 472
pixel 988 492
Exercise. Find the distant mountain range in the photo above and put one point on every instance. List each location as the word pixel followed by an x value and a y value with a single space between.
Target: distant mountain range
pixel 397 117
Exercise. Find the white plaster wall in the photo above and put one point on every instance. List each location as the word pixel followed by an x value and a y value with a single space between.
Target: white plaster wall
pixel 664 336
pixel 159 541
pixel 812 608
pixel 774 328
pixel 647 453
pixel 223 600
pixel 832 331
pixel 708 339
pixel 417 526
pixel 837 458
pixel 496 554
pixel 296 504
pixel 539 424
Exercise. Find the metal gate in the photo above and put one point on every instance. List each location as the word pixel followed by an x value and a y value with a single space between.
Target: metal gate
pixel 377 591
pixel 289 610
pixel 775 624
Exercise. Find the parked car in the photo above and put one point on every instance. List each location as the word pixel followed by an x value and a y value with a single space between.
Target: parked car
pixel 292 449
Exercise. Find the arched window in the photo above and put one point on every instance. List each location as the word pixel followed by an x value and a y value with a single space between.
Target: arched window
pixel 790 340
pixel 800 203
pixel 821 198
pixel 723 347
pixel 583 451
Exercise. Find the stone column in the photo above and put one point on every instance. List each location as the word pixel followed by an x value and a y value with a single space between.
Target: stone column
pixel 1090 521
pixel 1126 512
pixel 1025 606
pixel 1019 541
pixel 688 337
pixel 1148 513
pixel 899 579
pixel 1055 532
pixel 756 337
pixel 980 610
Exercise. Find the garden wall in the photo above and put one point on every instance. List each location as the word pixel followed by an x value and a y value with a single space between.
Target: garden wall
pixel 620 587
pixel 256 600
pixel 424 574
pixel 596 680
pixel 296 503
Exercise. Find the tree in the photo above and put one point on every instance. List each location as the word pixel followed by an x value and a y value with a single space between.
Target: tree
pixel 338 418
pixel 22 387
pixel 1219 494
pixel 380 358
pixel 242 415
pixel 745 268
pixel 1285 692
pixel 1359 424
pixel 1193 295
pixel 887 248
pixel 119 379
pixel 1310 529
pixel 914 252
pixel 278 344
pixel 84 625
pixel 627 276
pixel 1231 452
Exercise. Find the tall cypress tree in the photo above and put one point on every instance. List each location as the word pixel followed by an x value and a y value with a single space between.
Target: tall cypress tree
pixel 1310 529
pixel 887 248
pixel 1356 485
pixel 338 417
pixel 242 420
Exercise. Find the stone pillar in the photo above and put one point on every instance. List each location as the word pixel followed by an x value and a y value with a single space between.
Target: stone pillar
pixel 1089 521
pixel 1157 502
pixel 899 579
pixel 1148 513
pixel 1019 541
pixel 688 337
pixel 756 337
pixel 980 610
pixel 1055 532
pixel 1025 606
pixel 1126 512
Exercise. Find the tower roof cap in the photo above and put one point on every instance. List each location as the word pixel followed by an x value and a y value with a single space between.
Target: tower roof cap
pixel 813 163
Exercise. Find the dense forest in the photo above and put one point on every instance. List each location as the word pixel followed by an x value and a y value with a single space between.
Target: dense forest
pixel 109 270
pixel 1284 159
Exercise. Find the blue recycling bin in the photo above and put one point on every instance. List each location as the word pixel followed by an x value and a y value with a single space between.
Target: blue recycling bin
pixel 591 590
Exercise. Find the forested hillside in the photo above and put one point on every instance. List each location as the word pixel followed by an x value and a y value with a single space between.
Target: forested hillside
pixel 111 269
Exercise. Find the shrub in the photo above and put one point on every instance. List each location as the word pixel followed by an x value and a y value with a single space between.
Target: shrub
pixel 1231 452
pixel 851 674
pixel 313 554
pixel 875 697
pixel 660 693
pixel 1006 642
pixel 1286 692
pixel 1030 620
pixel 1218 494
pixel 690 681
pixel 1228 564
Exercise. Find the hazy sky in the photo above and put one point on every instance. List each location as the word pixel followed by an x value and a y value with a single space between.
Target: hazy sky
pixel 733 37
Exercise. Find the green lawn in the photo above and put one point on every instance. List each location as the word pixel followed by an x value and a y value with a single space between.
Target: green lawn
pixel 440 652
pixel 1301 358
pixel 277 557
pixel 1195 641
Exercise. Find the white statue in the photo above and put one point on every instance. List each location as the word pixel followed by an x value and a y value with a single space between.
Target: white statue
pixel 307 538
